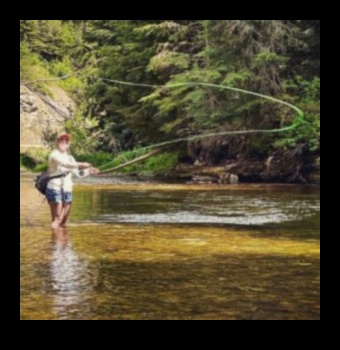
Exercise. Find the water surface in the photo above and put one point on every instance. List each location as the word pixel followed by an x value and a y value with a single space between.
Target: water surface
pixel 143 251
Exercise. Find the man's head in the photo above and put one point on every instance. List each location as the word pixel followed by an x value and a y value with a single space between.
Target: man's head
pixel 63 142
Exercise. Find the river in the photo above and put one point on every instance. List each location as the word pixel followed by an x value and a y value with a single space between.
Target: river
pixel 157 251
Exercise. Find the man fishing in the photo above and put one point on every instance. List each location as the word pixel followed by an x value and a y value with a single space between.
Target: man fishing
pixel 59 190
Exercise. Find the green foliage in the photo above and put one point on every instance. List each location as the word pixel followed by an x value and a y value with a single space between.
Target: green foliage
pixel 166 60
pixel 40 168
pixel 52 49
pixel 73 84
pixel 27 162
pixel 267 58
pixel 50 39
pixel 86 138
pixel 235 78
pixel 158 164
pixel 31 67
pixel 307 133
pixel 97 159
pixel 122 158
pixel 280 58
pixel 34 160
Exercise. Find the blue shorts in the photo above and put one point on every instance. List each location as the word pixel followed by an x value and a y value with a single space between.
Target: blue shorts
pixel 59 196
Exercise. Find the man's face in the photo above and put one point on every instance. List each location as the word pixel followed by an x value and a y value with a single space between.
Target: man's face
pixel 63 145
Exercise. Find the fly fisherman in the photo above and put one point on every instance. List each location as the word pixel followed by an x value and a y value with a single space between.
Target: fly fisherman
pixel 59 190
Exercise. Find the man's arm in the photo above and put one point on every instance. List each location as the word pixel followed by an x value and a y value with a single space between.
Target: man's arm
pixel 68 164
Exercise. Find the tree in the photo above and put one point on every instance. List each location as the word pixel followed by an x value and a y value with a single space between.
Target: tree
pixel 280 58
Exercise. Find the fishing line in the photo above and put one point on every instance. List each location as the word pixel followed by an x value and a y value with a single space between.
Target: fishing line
pixel 296 122
pixel 34 212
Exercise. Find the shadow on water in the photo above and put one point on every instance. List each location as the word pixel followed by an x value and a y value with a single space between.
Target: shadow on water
pixel 173 252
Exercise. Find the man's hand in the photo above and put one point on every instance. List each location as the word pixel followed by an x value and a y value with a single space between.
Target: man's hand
pixel 84 165
pixel 94 171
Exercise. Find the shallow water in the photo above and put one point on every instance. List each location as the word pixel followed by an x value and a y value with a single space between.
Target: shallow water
pixel 161 251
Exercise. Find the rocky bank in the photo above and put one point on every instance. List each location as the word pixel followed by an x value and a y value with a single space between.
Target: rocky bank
pixel 42 115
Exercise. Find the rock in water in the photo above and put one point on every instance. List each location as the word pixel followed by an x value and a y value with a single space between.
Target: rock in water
pixel 228 178
pixel 234 179
pixel 203 180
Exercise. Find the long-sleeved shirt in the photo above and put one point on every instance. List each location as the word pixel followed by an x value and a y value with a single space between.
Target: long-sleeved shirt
pixel 58 163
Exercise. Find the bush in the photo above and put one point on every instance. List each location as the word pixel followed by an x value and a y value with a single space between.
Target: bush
pixel 27 162
pixel 161 163
pixel 157 164
pixel 97 159
pixel 307 133
pixel 40 168
pixel 34 160
pixel 85 138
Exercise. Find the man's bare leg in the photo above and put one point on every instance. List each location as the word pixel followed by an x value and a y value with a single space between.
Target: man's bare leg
pixel 56 214
pixel 65 213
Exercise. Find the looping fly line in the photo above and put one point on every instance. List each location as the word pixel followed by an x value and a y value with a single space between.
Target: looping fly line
pixel 299 118
pixel 297 121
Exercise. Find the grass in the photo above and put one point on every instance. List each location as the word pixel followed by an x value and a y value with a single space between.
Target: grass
pixel 36 161
pixel 31 164
pixel 97 159
pixel 158 164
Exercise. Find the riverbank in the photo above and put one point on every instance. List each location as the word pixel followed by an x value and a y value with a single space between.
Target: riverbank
pixel 171 166
pixel 248 171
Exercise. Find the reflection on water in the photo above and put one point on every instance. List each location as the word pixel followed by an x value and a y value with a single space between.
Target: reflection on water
pixel 69 276
pixel 157 251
